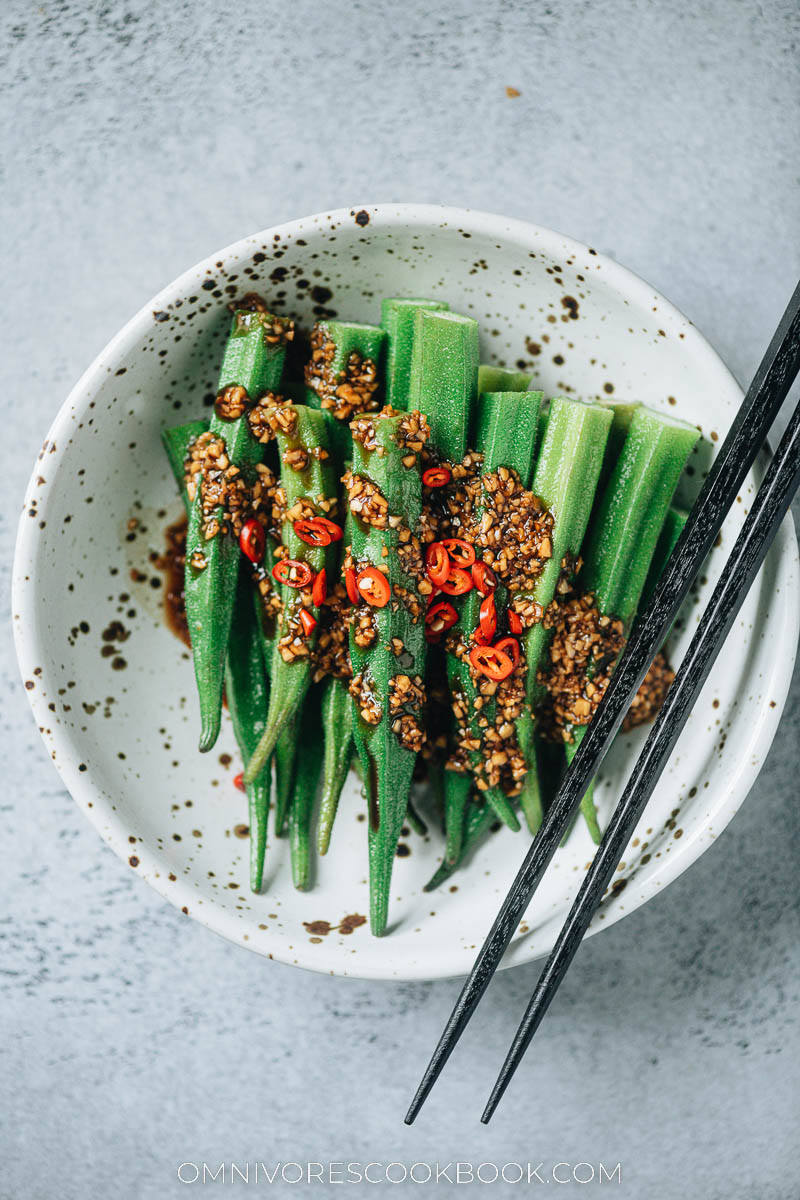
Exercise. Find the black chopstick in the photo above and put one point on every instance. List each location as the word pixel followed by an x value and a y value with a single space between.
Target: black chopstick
pixel 769 508
pixel 764 398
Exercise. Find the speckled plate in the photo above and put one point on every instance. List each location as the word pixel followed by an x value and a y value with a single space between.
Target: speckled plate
pixel 112 689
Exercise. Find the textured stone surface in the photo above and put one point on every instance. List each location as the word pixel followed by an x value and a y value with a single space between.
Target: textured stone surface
pixel 138 138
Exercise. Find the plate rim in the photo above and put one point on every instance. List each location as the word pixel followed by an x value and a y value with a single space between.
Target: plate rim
pixel 107 822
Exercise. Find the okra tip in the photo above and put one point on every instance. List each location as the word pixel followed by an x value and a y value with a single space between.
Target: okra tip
pixel 209 731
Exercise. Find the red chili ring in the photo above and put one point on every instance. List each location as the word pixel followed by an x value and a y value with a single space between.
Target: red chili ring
pixel 310 531
pixel 319 589
pixel 350 577
pixel 509 646
pixel 436 477
pixel 484 578
pixel 458 582
pixel 461 552
pixel 253 540
pixel 238 781
pixel 308 621
pixel 514 621
pixel 491 662
pixel 437 563
pixel 330 527
pixel 373 586
pixel 479 639
pixel 487 617
pixel 440 617
pixel 292 573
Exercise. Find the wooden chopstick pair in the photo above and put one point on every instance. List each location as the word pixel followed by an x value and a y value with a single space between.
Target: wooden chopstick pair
pixel 764 398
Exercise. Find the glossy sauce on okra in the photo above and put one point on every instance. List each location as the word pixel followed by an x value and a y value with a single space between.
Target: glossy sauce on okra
pixel 383 563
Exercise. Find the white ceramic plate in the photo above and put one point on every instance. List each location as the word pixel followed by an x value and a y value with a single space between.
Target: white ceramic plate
pixel 122 728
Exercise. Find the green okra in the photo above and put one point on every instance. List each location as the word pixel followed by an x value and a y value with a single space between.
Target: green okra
pixel 444 378
pixel 307 767
pixel 305 431
pixel 337 724
pixel 246 683
pixel 415 820
pixel 506 426
pixel 444 387
pixel 672 529
pixel 391 670
pixel 565 479
pixel 479 820
pixel 627 523
pixel 344 374
pixel 397 319
pixel 283 758
pixel 254 358
pixel 499 379
pixel 626 528
pixel 458 788
pixel 337 719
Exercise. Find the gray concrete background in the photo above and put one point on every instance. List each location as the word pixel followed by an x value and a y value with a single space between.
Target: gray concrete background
pixel 139 137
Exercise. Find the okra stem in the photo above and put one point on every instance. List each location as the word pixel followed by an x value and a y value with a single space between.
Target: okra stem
pixel 499 379
pixel 397 319
pixel 444 378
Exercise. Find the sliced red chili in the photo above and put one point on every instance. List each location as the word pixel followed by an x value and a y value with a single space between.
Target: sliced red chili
pixel 479 639
pixel 491 662
pixel 252 540
pixel 436 477
pixel 350 577
pixel 310 531
pixel 484 578
pixel 330 527
pixel 440 617
pixel 509 646
pixel 457 583
pixel 514 621
pixel 308 621
pixel 374 587
pixel 461 553
pixel 238 781
pixel 437 562
pixel 487 617
pixel 292 572
pixel 319 589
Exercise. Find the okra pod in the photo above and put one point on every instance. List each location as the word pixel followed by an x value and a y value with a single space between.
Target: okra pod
pixel 479 819
pixel 283 759
pixel 337 725
pixel 246 684
pixel 505 435
pixel 397 319
pixel 252 365
pixel 672 529
pixel 565 479
pixel 308 764
pixel 387 638
pixel 626 528
pixel 308 481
